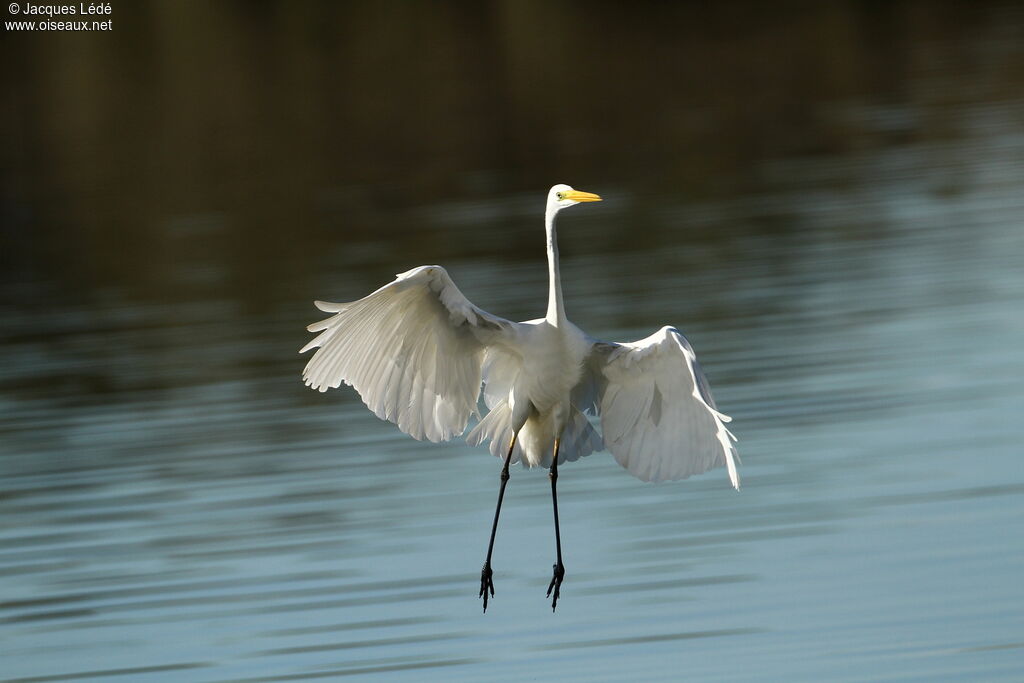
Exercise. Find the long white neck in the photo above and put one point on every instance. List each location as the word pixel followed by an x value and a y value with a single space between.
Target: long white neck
pixel 556 311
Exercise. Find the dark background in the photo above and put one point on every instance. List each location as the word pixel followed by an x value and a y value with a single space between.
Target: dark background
pixel 268 131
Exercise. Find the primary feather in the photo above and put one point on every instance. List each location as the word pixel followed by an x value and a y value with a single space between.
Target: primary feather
pixel 413 350
pixel 657 414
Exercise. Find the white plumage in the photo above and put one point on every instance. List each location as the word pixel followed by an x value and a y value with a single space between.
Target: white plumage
pixel 418 352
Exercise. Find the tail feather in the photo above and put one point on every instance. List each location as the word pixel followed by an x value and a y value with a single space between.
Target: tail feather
pixel 496 427
pixel 579 438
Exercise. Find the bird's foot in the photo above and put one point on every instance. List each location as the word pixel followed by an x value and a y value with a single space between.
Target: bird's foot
pixel 556 583
pixel 486 584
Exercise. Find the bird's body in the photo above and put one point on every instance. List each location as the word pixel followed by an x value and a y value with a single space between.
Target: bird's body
pixel 540 400
pixel 418 352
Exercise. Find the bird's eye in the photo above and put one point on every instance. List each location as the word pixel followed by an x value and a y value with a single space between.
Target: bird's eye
pixel 560 196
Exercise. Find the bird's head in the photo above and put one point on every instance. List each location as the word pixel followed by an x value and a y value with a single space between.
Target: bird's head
pixel 561 196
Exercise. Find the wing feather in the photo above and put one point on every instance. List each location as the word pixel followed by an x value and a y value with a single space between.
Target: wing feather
pixel 658 417
pixel 413 349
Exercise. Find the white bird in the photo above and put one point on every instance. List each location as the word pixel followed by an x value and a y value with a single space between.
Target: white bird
pixel 418 352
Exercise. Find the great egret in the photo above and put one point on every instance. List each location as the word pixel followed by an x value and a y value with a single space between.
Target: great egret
pixel 418 351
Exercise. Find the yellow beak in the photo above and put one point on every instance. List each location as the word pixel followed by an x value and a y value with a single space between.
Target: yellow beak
pixel 579 196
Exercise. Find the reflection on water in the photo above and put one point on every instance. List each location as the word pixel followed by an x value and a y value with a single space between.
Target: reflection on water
pixel 177 506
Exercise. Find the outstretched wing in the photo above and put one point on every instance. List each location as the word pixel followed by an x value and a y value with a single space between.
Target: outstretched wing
pixel 413 350
pixel 657 414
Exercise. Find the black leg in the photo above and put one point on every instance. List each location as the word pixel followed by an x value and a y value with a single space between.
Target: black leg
pixel 486 584
pixel 559 568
